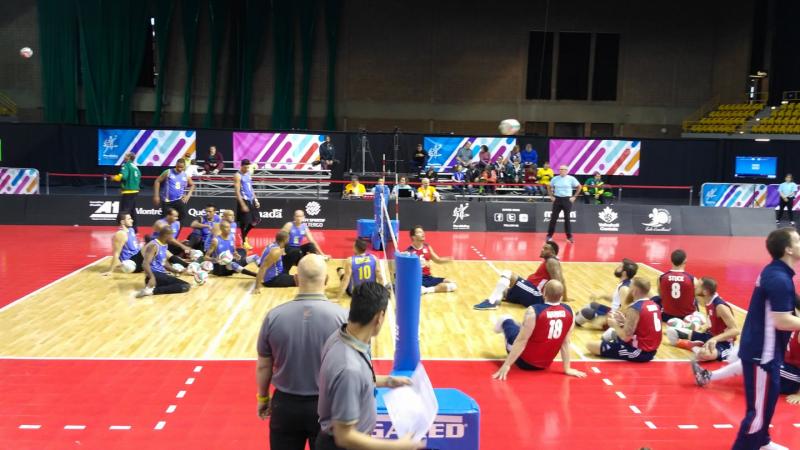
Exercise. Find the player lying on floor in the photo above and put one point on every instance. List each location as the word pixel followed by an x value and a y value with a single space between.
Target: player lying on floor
pixel 595 315
pixel 634 330
pixel 714 343
pixel 527 292
pixel 790 370
pixel 545 330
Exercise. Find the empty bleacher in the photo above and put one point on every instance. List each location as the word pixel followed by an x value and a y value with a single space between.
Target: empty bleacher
pixel 784 119
pixel 726 118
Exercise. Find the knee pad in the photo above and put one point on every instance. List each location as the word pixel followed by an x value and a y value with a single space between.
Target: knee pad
pixel 610 335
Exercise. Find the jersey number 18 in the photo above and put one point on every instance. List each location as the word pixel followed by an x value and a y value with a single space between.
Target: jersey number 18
pixel 556 328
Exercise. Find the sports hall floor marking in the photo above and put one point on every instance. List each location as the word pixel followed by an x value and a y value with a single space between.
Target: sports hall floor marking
pixel 688 427
pixel 621 395
pixel 171 409
pixel 29 427
pixel 722 426
pixel 120 427
pixel 74 427
pixel 189 381
pixel 595 369
pixel 635 409
pixel 160 425
pixel 214 345
pixel 650 425
pixel 181 394
pixel 607 382
pixel 48 285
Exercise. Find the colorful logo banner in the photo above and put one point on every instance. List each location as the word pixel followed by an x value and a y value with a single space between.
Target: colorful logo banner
pixel 19 181
pixel 282 151
pixel 443 151
pixel 152 147
pixel 590 156
pixel 733 195
pixel 773 198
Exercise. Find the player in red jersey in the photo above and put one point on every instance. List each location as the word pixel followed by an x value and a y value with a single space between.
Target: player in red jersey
pixel 526 292
pixel 426 255
pixel 676 289
pixel 637 326
pixel 715 343
pixel 544 332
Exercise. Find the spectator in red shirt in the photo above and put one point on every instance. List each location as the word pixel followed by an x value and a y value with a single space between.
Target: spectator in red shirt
pixel 214 163
pixel 530 179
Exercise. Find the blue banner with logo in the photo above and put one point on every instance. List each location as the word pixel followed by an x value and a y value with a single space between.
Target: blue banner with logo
pixel 443 151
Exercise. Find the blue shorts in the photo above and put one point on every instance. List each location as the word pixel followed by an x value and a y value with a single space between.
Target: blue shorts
pixel 723 348
pixel 511 331
pixel 790 379
pixel 624 351
pixel 429 281
pixel 524 293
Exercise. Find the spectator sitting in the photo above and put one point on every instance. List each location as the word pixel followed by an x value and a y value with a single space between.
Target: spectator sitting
pixel 459 180
pixel 509 170
pixel 420 159
pixel 403 186
pixel 192 169
pixel 530 179
pixel 489 176
pixel 431 174
pixel 426 192
pixel 464 154
pixel 327 154
pixel 484 157
pixel 354 188
pixel 544 175
pixel 214 163
pixel 594 188
pixel 529 155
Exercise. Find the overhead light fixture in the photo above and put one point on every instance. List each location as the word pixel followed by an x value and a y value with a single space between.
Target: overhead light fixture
pixel 785 102
pixel 741 132
pixel 771 107
pixel 762 140
pixel 758 119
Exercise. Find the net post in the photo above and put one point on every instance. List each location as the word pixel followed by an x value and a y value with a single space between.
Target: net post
pixel 408 295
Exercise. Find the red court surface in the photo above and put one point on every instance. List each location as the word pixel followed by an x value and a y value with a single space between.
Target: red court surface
pixel 210 404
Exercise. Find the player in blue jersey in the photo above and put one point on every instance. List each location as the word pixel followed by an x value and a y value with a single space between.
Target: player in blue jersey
pixel 226 242
pixel 271 272
pixel 173 189
pixel 765 335
pixel 227 215
pixel 297 246
pixel 358 269
pixel 171 221
pixel 246 202
pixel 202 227
pixel 124 244
pixel 157 267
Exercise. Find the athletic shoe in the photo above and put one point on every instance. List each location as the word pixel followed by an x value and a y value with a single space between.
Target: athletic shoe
pixel 701 376
pixel 485 305
pixel 687 344
pixel 549 239
pixel 246 245
pixel 676 334
pixel 498 325
pixel 144 292
pixel 570 240
pixel 773 446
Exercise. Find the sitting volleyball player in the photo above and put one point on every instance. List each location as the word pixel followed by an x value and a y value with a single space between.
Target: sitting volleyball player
pixel 676 289
pixel 125 246
pixel 358 269
pixel 544 332
pixel 636 325
pixel 170 220
pixel 595 315
pixel 426 254
pixel 227 216
pixel 271 271
pixel 157 264
pixel 202 228
pixel 297 248
pixel 225 242
pixel 715 343
pixel 526 292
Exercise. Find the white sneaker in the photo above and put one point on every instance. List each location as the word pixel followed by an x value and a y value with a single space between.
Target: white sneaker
pixel 427 290
pixel 498 324
pixel 672 336
pixel 773 446
pixel 144 292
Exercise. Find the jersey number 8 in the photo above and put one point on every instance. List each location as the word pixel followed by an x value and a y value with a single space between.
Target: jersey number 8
pixel 676 290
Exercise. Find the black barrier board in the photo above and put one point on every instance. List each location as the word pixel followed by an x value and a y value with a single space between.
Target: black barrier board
pixel 13 207
pixel 516 216
pixel 424 214
pixel 462 216
pixel 604 219
pixel 751 221
pixel 706 221
pixel 656 219
pixel 544 211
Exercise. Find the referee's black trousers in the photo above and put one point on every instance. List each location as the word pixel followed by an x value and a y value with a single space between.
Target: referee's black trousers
pixel 294 421
pixel 560 204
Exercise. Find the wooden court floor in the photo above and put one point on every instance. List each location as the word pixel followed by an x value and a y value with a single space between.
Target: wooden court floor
pixel 90 316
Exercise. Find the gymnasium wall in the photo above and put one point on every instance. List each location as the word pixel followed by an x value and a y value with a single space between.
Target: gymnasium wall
pixel 459 66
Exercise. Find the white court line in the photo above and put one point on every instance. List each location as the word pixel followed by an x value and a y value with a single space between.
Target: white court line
pixel 181 394
pixel 212 347
pixel 29 427
pixel 688 427
pixel 171 409
pixel 650 425
pixel 635 409
pixel 74 427
pixel 595 370
pixel 190 381
pixel 160 425
pixel 119 427
pixel 607 382
pixel 197 369
pixel 197 359
pixel 577 351
pixel 722 426
pixel 620 395
pixel 57 280
pixel 797 425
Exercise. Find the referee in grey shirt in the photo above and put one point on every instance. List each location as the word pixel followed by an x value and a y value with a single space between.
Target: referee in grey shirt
pixel 289 353
pixel 347 381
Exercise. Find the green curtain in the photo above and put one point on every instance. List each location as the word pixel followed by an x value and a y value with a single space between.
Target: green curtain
pixel 112 38
pixel 190 19
pixel 307 15
pixel 283 33
pixel 58 35
pixel 333 15
pixel 217 10
pixel 163 20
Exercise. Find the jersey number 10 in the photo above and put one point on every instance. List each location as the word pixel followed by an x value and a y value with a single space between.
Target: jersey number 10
pixel 364 272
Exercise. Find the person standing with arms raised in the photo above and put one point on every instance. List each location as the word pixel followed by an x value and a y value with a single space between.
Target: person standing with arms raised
pixel 174 193
pixel 563 190
pixel 289 356
pixel 130 178
pixel 767 328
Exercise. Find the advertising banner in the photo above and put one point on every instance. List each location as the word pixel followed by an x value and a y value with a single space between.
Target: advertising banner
pixel 19 181
pixel 464 216
pixel 773 198
pixel 656 219
pixel 510 216
pixel 737 195
pixel 280 151
pixel 443 151
pixel 590 156
pixel 152 147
